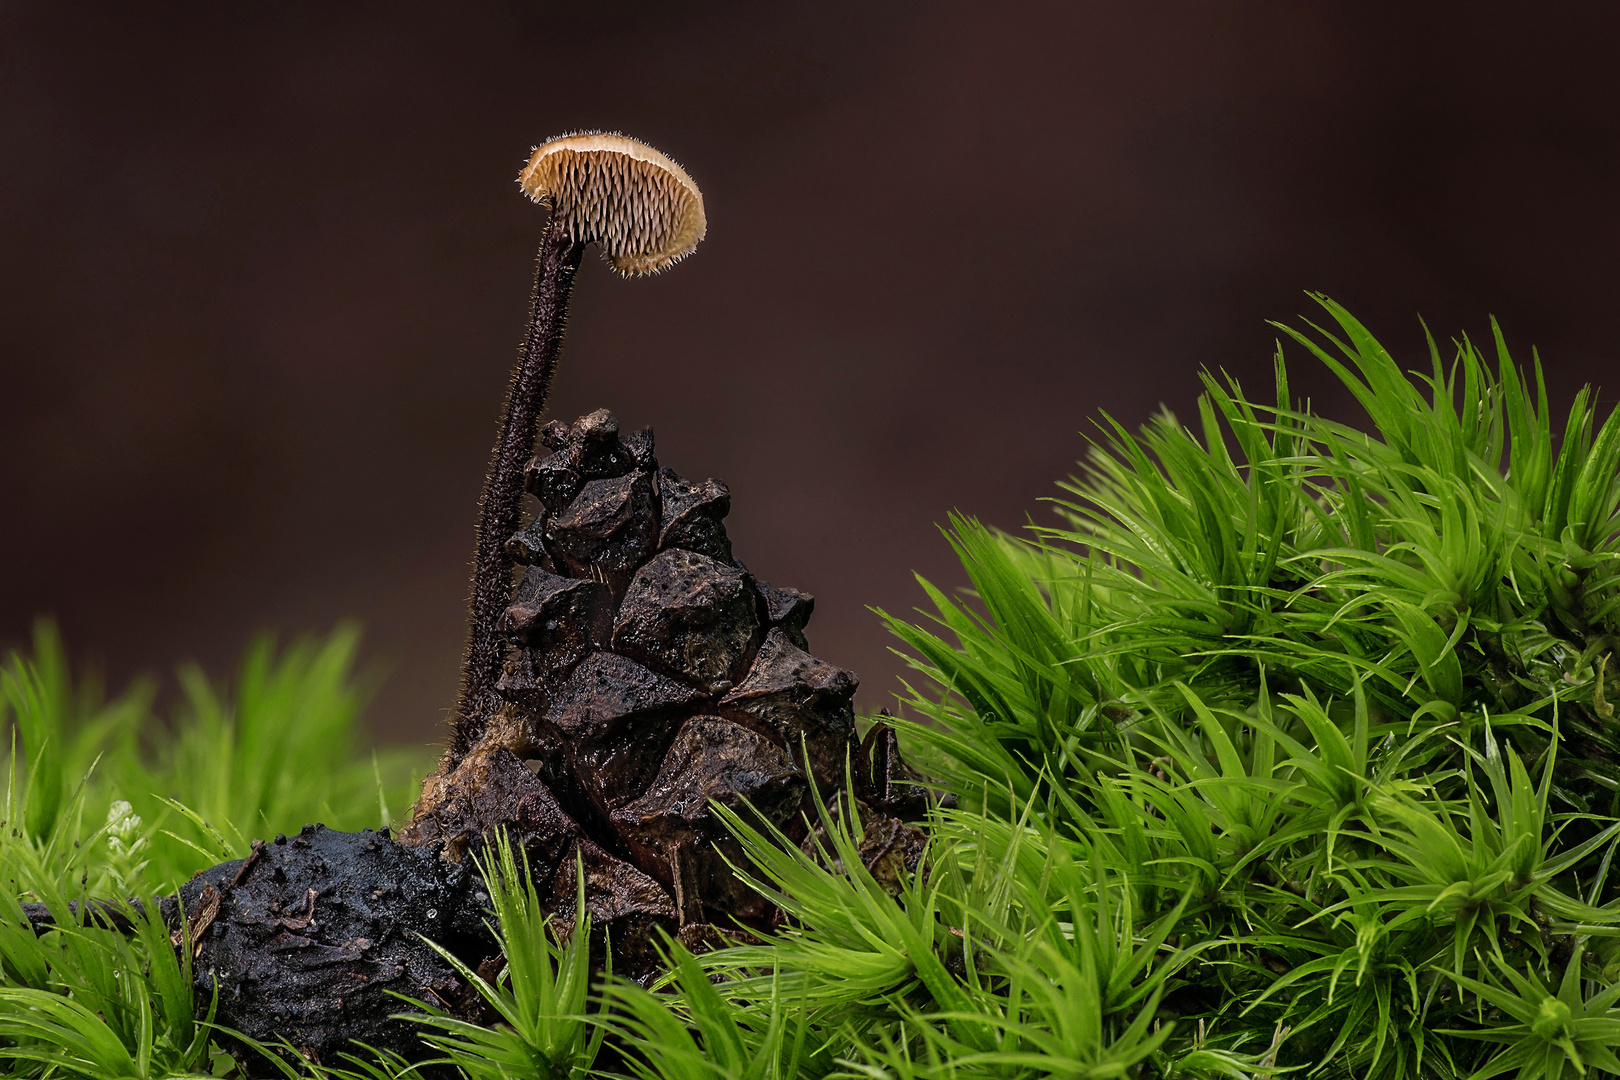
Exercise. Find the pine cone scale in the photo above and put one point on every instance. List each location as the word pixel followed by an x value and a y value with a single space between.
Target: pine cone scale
pixel 691 615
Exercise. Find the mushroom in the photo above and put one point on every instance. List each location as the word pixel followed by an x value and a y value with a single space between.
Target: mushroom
pixel 645 213
pixel 640 206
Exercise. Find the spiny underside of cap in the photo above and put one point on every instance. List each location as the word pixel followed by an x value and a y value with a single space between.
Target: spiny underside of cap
pixel 638 205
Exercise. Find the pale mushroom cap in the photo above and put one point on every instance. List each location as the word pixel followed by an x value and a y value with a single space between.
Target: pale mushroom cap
pixel 641 207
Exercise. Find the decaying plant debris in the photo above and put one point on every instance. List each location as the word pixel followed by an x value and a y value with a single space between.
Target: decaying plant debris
pixel 648 675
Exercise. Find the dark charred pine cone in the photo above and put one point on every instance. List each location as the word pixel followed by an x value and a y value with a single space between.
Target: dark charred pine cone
pixel 649 673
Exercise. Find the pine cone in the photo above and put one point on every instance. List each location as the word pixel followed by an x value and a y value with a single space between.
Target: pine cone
pixel 648 673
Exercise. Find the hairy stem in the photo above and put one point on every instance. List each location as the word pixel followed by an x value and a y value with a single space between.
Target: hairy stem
pixel 500 512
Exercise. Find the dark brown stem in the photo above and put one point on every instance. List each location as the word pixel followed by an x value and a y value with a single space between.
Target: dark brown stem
pixel 500 512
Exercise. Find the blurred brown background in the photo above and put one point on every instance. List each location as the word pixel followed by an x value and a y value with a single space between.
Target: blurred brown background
pixel 263 270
